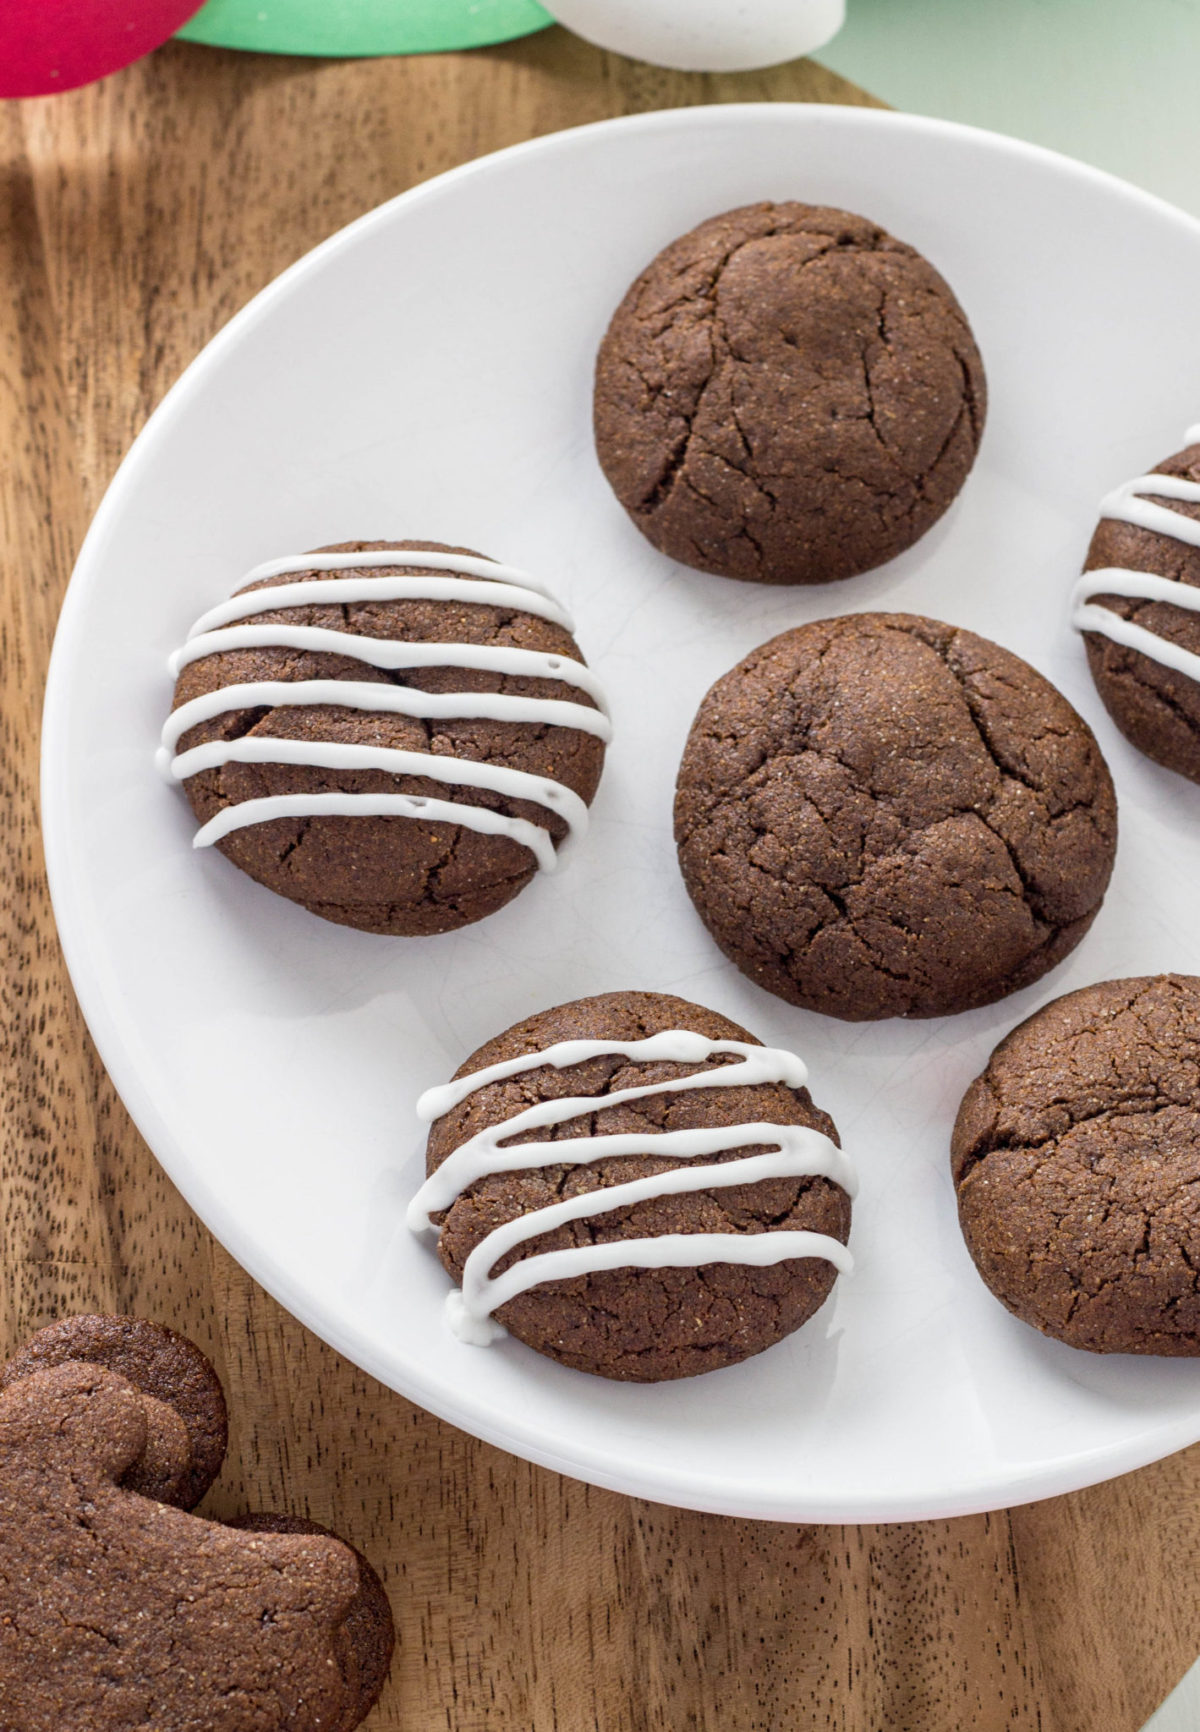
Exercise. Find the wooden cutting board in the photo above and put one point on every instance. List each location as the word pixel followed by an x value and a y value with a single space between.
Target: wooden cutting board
pixel 135 217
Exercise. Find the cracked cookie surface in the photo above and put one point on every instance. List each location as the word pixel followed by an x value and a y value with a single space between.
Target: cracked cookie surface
pixel 1076 1159
pixel 641 1324
pixel 788 394
pixel 1157 708
pixel 882 815
pixel 396 875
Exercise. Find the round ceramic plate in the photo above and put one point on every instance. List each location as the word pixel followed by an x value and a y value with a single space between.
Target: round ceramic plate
pixel 427 372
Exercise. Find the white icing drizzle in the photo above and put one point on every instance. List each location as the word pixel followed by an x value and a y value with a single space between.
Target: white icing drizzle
pixel 429 559
pixel 390 654
pixel 1139 586
pixel 217 631
pixel 386 700
pixel 793 1151
pixel 1133 503
pixel 1129 503
pixel 676 1045
pixel 337 755
pixel 342 805
pixel 344 592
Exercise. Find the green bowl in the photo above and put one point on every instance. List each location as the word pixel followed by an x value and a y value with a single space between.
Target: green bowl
pixel 350 27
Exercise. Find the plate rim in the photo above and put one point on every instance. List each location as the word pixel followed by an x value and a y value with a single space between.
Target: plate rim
pixel 678 1487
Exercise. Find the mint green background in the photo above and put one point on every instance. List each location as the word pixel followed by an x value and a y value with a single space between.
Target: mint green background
pixel 1116 82
pixel 362 26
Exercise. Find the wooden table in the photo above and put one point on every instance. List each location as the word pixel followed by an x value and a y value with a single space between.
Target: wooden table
pixel 135 217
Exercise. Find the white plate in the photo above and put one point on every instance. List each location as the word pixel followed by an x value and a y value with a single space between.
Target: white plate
pixel 427 372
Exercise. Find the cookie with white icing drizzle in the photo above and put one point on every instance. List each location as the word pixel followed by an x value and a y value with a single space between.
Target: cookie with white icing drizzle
pixel 635 1187
pixel 397 735
pixel 1138 605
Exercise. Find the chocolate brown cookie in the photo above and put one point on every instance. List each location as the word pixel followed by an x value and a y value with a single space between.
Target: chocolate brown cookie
pixel 607 1239
pixel 1076 1158
pixel 122 1611
pixel 462 748
pixel 176 1467
pixel 788 394
pixel 1143 642
pixel 881 815
pixel 363 1641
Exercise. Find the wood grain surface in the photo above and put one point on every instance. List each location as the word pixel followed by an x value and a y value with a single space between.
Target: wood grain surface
pixel 135 217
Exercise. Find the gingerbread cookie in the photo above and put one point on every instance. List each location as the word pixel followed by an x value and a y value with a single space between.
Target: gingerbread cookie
pixel 1138 605
pixel 881 815
pixel 183 1387
pixel 124 1612
pixel 634 1186
pixel 395 734
pixel 788 394
pixel 1076 1159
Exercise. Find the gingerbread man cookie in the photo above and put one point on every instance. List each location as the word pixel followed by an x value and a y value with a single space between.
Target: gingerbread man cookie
pixel 121 1610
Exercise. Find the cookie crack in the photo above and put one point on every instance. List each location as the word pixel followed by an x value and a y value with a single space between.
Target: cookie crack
pixel 1048 1144
pixel 705 295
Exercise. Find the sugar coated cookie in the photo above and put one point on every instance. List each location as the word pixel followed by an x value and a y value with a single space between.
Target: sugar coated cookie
pixel 788 394
pixel 1076 1159
pixel 881 815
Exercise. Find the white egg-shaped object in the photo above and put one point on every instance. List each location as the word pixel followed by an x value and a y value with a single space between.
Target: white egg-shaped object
pixel 704 35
